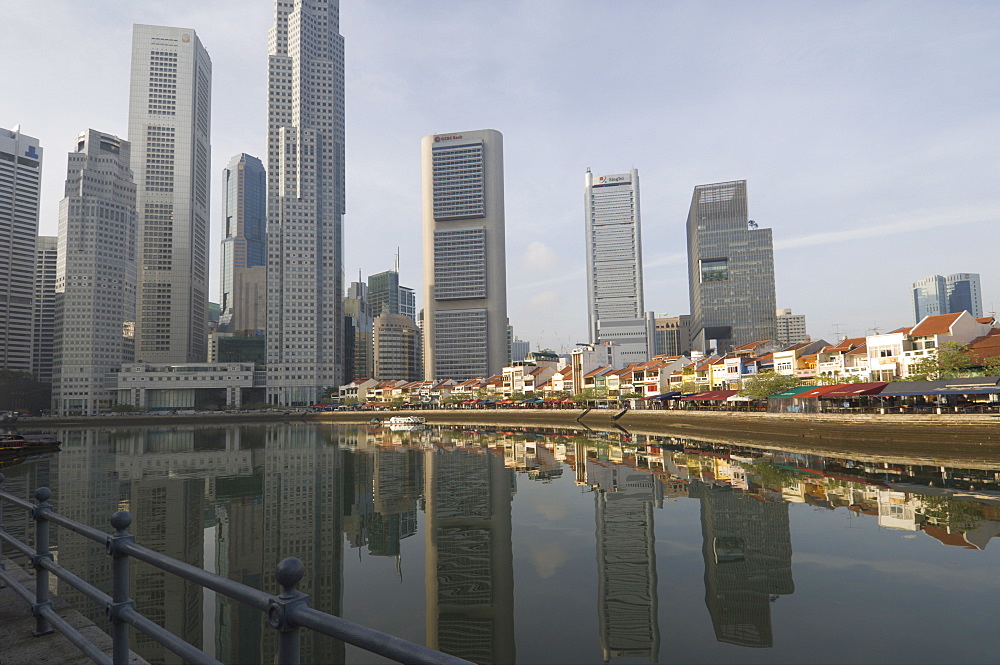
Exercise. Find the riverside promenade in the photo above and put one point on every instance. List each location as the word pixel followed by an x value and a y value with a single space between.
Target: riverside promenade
pixel 19 647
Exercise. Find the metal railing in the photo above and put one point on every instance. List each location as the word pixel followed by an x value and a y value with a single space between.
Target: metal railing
pixel 287 613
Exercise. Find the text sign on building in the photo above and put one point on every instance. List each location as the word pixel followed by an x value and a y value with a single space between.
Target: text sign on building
pixel 614 179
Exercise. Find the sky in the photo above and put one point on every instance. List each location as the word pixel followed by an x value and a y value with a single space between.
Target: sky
pixel 868 132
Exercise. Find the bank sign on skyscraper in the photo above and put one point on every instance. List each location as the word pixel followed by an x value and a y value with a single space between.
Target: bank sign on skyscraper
pixel 305 201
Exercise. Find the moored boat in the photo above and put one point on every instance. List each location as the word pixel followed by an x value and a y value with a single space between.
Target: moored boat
pixel 406 420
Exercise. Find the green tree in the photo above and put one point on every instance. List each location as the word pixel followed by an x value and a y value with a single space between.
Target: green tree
pixel 951 360
pixel 765 384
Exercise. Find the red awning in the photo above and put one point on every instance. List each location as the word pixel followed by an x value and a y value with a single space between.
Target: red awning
pixel 818 391
pixel 711 395
pixel 857 389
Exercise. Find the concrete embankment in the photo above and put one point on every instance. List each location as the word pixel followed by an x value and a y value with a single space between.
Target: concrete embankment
pixel 19 647
pixel 928 438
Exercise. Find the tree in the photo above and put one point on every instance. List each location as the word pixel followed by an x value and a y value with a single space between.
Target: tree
pixel 949 361
pixel 765 384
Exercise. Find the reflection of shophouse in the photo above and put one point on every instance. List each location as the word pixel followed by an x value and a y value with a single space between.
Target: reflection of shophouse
pixel 626 559
pixel 748 561
pixel 469 560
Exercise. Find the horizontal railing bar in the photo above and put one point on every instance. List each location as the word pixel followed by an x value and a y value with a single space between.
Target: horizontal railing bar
pixel 74 636
pixel 16 544
pixel 370 639
pixel 175 644
pixel 86 588
pixel 18 588
pixel 17 501
pixel 241 592
pixel 86 531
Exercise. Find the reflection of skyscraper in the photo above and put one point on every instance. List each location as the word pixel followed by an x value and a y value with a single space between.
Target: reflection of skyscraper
pixel 626 560
pixel 469 561
pixel 303 508
pixel 748 560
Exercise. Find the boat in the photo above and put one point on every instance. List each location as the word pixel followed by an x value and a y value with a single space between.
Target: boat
pixel 406 420
pixel 20 444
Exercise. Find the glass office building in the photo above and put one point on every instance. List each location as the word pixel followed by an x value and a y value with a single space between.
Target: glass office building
pixel 244 245
pixel 730 270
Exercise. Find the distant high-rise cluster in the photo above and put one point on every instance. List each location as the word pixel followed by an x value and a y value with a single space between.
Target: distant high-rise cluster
pixel 730 270
pixel 465 275
pixel 243 297
pixel 938 294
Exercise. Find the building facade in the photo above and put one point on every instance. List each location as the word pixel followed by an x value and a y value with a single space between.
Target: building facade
pixel 614 262
pixel 169 127
pixel 243 287
pixel 939 294
pixel 465 275
pixel 358 323
pixel 397 348
pixel 44 319
pixel 305 206
pixel 672 335
pixel 730 270
pixel 791 327
pixel 96 276
pixel 20 187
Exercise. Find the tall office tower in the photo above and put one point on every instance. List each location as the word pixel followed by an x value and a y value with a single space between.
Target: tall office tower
pixel 305 201
pixel 408 302
pixel 20 184
pixel 465 272
pixel 672 336
pixel 614 263
pixel 243 289
pixel 170 109
pixel 519 349
pixel 358 323
pixel 469 574
pixel 730 270
pixel 383 292
pixel 44 317
pixel 964 294
pixel 791 327
pixel 747 547
pixel 396 341
pixel 946 294
pixel 626 559
pixel 96 275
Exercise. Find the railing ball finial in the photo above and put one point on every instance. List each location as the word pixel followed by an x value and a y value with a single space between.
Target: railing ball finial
pixel 289 573
pixel 43 494
pixel 121 520
pixel 2 478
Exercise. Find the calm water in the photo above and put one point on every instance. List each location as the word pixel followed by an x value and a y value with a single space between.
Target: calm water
pixel 529 547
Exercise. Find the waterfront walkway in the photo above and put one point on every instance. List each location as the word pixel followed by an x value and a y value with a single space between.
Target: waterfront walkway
pixel 19 647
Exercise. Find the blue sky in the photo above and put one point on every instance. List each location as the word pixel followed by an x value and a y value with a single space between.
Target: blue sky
pixel 868 132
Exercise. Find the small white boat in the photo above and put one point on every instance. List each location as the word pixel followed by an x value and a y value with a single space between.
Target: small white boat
pixel 406 420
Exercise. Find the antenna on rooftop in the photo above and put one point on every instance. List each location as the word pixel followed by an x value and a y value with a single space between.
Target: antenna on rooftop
pixel 836 330
pixel 874 329
pixel 751 224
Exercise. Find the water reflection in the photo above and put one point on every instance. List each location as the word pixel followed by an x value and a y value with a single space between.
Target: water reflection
pixel 236 500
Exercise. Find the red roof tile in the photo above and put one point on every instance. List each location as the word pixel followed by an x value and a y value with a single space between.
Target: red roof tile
pixel 939 324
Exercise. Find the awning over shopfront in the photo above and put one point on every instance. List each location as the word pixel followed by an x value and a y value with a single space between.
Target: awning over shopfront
pixel 857 389
pixel 981 385
pixel 663 396
pixel 710 396
pixel 791 392
pixel 816 391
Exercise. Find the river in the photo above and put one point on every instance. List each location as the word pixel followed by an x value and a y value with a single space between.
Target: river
pixel 540 546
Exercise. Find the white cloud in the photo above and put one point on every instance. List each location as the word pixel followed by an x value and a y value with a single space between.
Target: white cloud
pixel 539 256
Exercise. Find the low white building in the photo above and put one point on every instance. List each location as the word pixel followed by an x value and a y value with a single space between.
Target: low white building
pixel 167 387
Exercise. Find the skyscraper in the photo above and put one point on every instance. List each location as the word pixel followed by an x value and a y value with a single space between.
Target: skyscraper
pixel 465 274
pixel 791 327
pixel 44 318
pixel 305 201
pixel 243 289
pixel 95 294
pixel 938 294
pixel 672 336
pixel 614 263
pixel 20 185
pixel 730 270
pixel 396 348
pixel 170 109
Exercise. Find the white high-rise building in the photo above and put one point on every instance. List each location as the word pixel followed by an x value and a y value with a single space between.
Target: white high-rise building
pixel 465 272
pixel 614 264
pixel 169 123
pixel 791 327
pixel 44 319
pixel 96 276
pixel 305 201
pixel 20 185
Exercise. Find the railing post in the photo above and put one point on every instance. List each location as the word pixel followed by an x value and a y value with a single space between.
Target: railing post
pixel 2 527
pixel 289 573
pixel 42 495
pixel 119 586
